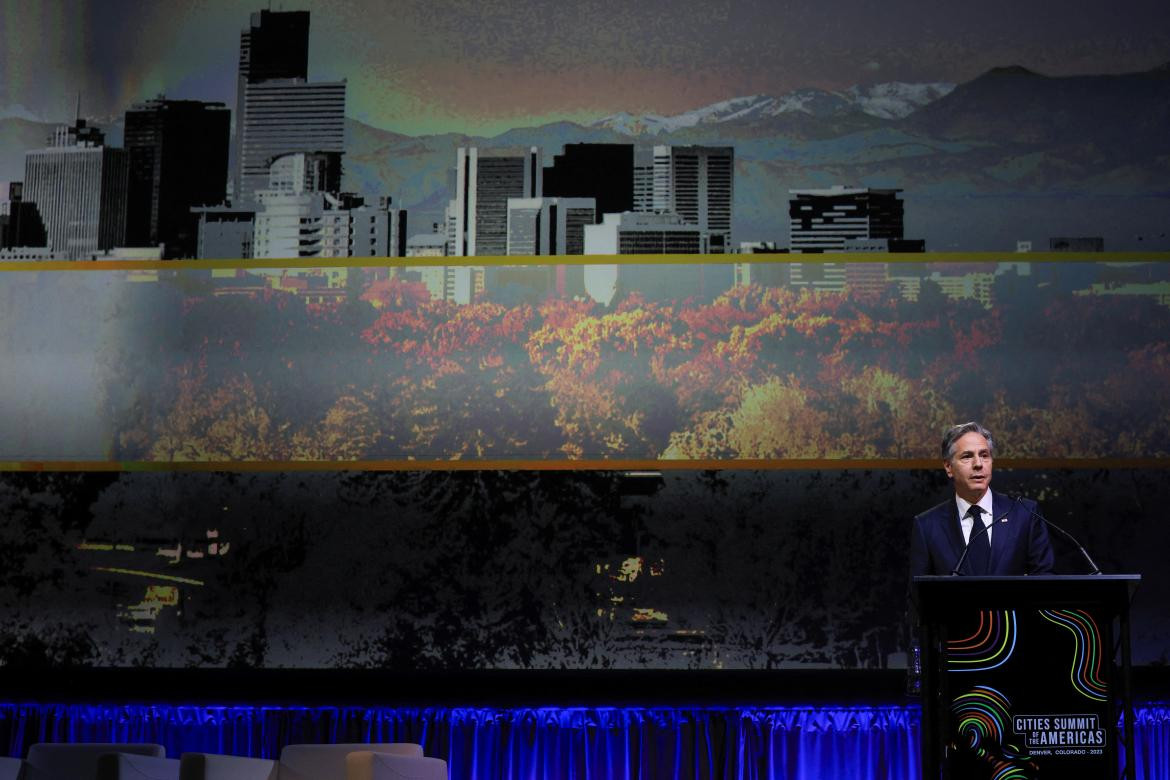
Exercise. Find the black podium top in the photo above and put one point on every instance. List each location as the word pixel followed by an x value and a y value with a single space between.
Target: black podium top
pixel 939 594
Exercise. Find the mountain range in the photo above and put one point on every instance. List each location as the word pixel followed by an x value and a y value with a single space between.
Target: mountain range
pixel 1010 155
pixel 892 100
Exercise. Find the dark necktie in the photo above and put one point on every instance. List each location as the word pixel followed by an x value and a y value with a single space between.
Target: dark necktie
pixel 979 555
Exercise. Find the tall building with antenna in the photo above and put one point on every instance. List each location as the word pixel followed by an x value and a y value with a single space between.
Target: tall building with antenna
pixel 79 186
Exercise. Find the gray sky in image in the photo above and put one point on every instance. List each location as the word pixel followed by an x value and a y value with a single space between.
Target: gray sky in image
pixel 434 65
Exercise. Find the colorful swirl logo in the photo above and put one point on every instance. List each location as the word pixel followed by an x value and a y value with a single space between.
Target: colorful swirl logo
pixel 981 718
pixel 1085 671
pixel 990 646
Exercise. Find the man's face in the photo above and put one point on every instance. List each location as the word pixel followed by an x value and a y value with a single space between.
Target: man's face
pixel 970 467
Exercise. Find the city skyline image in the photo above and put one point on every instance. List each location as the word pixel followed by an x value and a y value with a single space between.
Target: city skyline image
pixel 1000 124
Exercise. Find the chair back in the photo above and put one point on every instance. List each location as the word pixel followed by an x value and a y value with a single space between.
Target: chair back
pixel 365 765
pixel 78 761
pixel 10 768
pixel 213 766
pixel 327 762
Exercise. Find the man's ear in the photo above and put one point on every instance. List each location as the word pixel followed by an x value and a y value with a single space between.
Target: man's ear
pixel 947 469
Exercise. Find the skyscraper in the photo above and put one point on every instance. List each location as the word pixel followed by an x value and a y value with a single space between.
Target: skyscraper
pixel 822 220
pixel 20 223
pixel 278 111
pixel 485 179
pixel 695 182
pixel 79 187
pixel 604 172
pixel 548 226
pixel 178 151
pixel 283 117
pixel 274 46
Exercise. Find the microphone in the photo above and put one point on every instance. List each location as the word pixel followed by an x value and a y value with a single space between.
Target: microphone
pixel 975 534
pixel 1093 568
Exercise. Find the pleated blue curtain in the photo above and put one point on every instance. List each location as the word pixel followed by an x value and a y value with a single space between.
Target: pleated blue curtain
pixel 547 743
pixel 1152 741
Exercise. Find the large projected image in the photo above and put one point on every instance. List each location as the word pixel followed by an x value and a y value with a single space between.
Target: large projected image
pixel 584 363
pixel 331 335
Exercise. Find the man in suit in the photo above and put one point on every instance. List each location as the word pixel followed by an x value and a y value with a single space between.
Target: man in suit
pixel 1006 535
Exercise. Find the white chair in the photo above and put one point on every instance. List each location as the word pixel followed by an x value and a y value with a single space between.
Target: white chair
pixel 10 768
pixel 364 765
pixel 297 762
pixel 98 761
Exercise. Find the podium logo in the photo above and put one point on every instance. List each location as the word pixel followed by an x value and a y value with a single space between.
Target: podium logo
pixel 1060 731
pixel 1086 650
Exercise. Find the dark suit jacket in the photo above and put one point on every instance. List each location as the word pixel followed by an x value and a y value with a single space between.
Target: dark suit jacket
pixel 1019 539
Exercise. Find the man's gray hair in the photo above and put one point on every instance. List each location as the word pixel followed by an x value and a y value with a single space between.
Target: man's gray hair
pixel 956 431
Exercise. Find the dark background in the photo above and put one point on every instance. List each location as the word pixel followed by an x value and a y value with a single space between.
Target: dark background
pixel 446 573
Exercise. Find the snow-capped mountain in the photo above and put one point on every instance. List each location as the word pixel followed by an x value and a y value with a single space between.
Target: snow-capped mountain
pixel 892 100
pixel 896 99
pixel 739 108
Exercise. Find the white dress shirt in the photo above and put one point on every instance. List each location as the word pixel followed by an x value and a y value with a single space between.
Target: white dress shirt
pixel 966 521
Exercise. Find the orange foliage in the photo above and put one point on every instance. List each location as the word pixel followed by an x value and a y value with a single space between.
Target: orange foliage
pixel 755 373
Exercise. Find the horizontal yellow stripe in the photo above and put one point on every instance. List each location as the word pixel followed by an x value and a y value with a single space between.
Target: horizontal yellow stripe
pixel 796 464
pixel 148 574
pixel 554 260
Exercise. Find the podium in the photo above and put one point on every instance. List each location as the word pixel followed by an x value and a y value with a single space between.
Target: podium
pixel 1025 676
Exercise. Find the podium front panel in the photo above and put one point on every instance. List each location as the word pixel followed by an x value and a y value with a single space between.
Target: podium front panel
pixel 1028 694
pixel 1019 678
